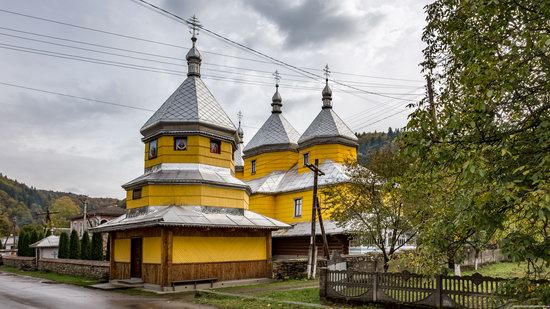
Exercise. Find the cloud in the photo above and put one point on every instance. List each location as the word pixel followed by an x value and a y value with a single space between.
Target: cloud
pixel 315 22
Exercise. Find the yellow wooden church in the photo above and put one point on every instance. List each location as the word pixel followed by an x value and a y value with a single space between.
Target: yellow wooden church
pixel 207 208
pixel 188 217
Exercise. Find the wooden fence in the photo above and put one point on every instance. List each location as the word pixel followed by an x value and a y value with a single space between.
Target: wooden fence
pixel 474 291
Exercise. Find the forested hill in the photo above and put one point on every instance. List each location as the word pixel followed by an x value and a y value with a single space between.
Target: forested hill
pixel 24 202
pixel 373 141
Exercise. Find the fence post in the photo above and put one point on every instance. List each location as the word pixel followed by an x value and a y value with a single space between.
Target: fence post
pixel 323 278
pixel 375 287
pixel 438 290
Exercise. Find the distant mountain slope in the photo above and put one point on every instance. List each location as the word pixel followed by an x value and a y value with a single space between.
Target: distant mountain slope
pixel 373 141
pixel 24 202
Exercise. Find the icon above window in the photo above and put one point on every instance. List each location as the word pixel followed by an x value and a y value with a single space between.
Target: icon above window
pixel 153 149
pixel 215 146
pixel 180 143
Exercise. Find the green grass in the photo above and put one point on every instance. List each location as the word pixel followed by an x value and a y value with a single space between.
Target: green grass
pixel 51 276
pixel 287 284
pixel 222 301
pixel 304 295
pixel 501 270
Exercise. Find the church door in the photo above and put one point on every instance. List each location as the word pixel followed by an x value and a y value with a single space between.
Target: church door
pixel 136 250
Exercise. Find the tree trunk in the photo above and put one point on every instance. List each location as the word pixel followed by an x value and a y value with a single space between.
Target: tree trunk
pixel 386 263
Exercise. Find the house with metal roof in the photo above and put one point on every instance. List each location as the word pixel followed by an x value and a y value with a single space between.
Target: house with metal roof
pixel 188 217
pixel 281 184
pixel 47 248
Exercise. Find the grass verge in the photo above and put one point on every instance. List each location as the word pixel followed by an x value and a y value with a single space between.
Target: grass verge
pixel 50 276
pixel 235 302
pixel 501 270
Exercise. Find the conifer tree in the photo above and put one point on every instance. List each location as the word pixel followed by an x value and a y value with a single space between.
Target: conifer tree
pixel 63 246
pixel 97 247
pixel 34 237
pixel 22 244
pixel 74 246
pixel 85 247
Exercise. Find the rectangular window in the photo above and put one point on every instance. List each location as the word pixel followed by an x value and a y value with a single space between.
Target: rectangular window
pixel 297 207
pixel 215 146
pixel 136 194
pixel 306 159
pixel 253 167
pixel 153 149
pixel 180 143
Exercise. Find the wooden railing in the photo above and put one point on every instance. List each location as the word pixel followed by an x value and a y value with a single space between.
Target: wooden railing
pixel 474 291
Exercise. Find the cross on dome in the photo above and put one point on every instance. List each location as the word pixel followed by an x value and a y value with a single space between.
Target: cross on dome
pixel 194 25
pixel 327 92
pixel 276 99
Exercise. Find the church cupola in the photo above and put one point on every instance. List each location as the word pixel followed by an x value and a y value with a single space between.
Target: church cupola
pixel 327 92
pixel 327 127
pixel 276 134
pixel 276 100
pixel 193 56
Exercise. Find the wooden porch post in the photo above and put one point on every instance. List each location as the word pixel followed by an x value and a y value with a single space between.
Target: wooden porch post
pixel 112 268
pixel 166 257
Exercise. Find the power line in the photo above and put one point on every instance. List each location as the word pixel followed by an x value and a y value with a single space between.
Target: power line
pixel 145 68
pixel 251 50
pixel 159 43
pixel 375 122
pixel 76 97
pixel 367 84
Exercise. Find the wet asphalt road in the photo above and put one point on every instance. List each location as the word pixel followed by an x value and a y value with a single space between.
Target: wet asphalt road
pixel 20 292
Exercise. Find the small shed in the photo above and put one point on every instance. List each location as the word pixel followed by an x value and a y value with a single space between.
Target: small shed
pixel 47 248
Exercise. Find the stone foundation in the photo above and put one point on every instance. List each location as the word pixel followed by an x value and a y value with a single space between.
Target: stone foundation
pixel 21 262
pixel 289 269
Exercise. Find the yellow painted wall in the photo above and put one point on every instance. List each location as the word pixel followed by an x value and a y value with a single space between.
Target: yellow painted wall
pixel 198 151
pixel 151 250
pixel 334 152
pixel 263 204
pixel 239 175
pixel 269 162
pixel 281 206
pixel 189 194
pixel 122 250
pixel 196 249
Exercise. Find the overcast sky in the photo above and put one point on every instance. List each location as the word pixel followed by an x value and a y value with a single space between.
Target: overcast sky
pixel 66 144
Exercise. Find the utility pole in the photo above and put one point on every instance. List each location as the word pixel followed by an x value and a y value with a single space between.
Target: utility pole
pixel 13 234
pixel 84 218
pixel 323 234
pixel 312 257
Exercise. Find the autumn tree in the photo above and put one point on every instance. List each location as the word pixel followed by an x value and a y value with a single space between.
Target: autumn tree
pixel 479 141
pixel 372 206
pixel 63 209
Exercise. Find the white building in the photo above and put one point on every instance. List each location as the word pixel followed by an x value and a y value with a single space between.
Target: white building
pixel 47 248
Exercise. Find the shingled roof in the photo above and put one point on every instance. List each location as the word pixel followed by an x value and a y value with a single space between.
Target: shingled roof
pixel 276 131
pixel 327 124
pixel 192 102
